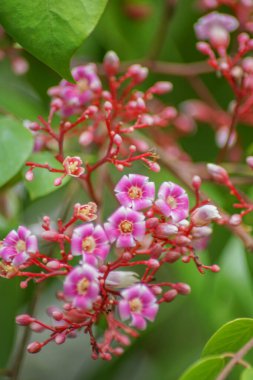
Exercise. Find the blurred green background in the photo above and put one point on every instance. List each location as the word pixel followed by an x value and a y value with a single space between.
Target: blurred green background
pixel 178 335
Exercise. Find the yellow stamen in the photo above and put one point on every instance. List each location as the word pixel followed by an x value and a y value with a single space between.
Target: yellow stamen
pixel 135 192
pixel 82 286
pixel 135 305
pixel 126 226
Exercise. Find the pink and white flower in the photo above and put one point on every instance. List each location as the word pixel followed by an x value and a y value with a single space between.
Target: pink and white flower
pixel 173 201
pixel 75 96
pixel 73 166
pixel 216 27
pixel 18 246
pixel 88 240
pixel 125 226
pixel 135 191
pixel 81 286
pixel 139 304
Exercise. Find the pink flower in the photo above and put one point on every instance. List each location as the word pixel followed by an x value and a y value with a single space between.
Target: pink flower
pixel 75 96
pixel 125 226
pixel 86 212
pixel 215 27
pixel 18 246
pixel 135 191
pixel 89 240
pixel 73 166
pixel 81 286
pixel 138 303
pixel 173 201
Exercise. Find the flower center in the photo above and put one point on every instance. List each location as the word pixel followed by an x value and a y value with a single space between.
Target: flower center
pixel 88 244
pixel 83 85
pixel 73 166
pixel 126 226
pixel 171 202
pixel 135 192
pixel 82 286
pixel 20 246
pixel 135 305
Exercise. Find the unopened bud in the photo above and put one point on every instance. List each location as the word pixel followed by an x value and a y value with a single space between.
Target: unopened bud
pixel 58 181
pixel 182 288
pixel 34 347
pixel 111 63
pixel 24 320
pixel 29 175
pixel 170 295
pixel 60 338
pixel 204 215
pixel 235 220
pixel 249 161
pixel 218 173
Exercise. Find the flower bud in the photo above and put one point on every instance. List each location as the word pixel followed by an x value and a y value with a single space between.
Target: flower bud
pixel 182 288
pixel 111 63
pixel 60 338
pixel 24 320
pixel 164 230
pixel 36 327
pixel 170 295
pixel 249 161
pixel 204 215
pixel 34 347
pixel 235 220
pixel 218 173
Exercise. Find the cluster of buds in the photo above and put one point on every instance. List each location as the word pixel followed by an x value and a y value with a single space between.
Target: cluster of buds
pixel 111 270
pixel 105 121
pixel 11 51
pixel 221 176
pixel 214 31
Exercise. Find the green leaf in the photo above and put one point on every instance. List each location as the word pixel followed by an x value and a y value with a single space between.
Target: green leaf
pixel 247 374
pixel 204 369
pixel 230 337
pixel 16 145
pixel 43 182
pixel 51 30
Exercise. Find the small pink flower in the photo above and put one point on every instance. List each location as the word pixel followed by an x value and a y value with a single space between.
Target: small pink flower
pixel 89 240
pixel 138 303
pixel 135 191
pixel 81 286
pixel 75 96
pixel 173 201
pixel 73 166
pixel 216 27
pixel 87 212
pixel 125 226
pixel 18 246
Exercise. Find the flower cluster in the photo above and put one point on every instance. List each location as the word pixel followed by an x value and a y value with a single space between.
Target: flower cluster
pixel 144 233
pixel 106 121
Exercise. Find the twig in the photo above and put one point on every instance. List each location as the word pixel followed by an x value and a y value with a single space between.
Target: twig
pixel 237 358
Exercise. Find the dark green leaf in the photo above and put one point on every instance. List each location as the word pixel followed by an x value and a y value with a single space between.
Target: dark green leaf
pixel 16 145
pixel 51 30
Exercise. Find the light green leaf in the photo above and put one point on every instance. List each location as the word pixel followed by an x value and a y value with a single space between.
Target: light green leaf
pixel 204 369
pixel 51 30
pixel 247 374
pixel 230 337
pixel 43 182
pixel 16 144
